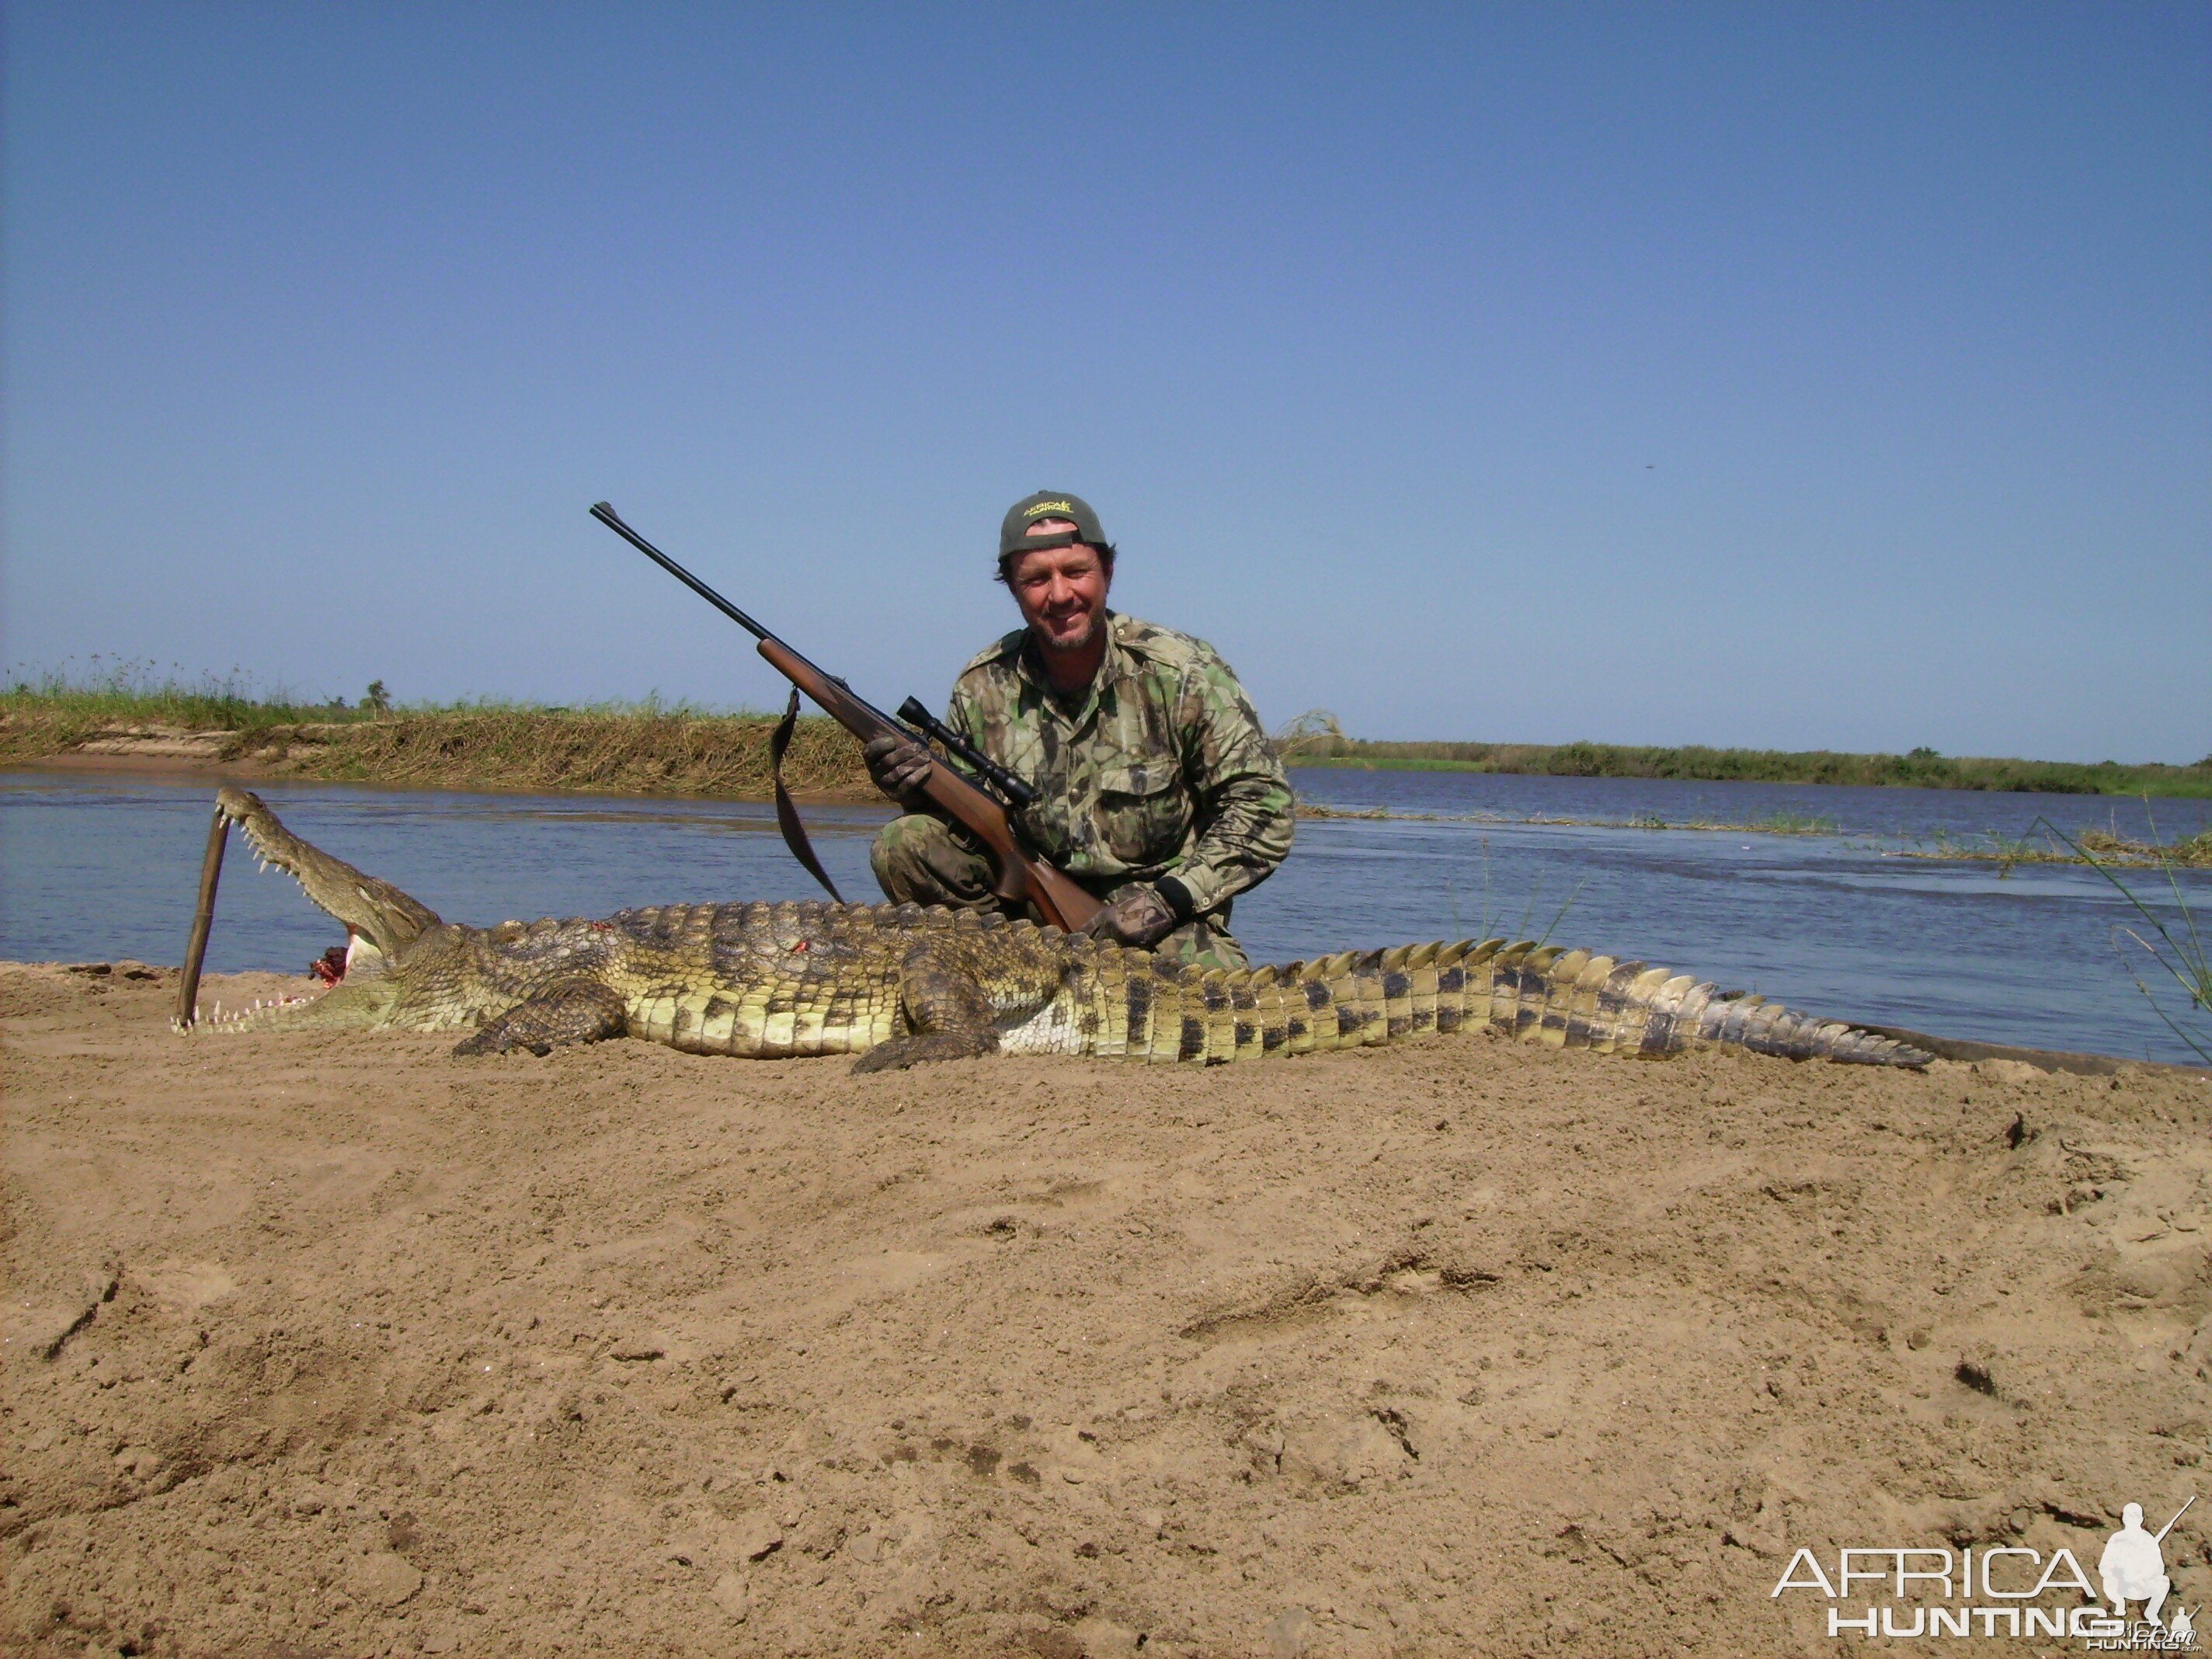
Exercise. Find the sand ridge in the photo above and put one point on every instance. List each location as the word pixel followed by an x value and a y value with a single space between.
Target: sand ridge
pixel 336 1346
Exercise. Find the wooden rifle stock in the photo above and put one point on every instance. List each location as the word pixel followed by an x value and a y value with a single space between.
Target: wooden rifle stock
pixel 1023 877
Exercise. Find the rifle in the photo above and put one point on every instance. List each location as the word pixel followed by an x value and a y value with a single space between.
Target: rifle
pixel 2160 1536
pixel 1022 877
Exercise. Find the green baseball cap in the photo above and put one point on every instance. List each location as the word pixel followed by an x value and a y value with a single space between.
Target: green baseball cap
pixel 1014 533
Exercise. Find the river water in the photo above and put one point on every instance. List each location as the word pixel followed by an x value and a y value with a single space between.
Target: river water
pixel 1840 922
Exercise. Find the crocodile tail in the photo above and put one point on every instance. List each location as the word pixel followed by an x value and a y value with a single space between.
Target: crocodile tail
pixel 1149 1009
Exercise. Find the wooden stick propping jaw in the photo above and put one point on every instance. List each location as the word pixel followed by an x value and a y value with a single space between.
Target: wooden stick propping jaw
pixel 188 987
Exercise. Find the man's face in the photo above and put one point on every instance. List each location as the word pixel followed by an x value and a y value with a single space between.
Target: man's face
pixel 1061 590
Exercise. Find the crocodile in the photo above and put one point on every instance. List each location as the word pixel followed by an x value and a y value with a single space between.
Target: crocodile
pixel 895 984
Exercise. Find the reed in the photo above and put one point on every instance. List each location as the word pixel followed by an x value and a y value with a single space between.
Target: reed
pixel 1784 822
pixel 1491 925
pixel 111 690
pixel 2179 953
pixel 2047 845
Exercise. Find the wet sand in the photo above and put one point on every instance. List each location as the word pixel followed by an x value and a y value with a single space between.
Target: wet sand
pixel 336 1346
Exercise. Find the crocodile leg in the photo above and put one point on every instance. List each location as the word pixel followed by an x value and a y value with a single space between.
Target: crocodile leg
pixel 575 1011
pixel 947 1016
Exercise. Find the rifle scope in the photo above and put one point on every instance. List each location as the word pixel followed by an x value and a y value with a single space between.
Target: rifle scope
pixel 1016 791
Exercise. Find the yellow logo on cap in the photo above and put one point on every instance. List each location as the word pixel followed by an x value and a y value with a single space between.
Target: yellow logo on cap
pixel 1042 507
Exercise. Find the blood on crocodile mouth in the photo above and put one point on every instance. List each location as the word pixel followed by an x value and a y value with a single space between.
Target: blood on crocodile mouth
pixel 330 966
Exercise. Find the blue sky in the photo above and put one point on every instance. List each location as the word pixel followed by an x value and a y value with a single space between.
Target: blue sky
pixel 1797 376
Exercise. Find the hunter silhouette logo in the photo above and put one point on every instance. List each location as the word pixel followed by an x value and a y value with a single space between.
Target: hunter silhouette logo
pixel 2133 1566
pixel 2000 1589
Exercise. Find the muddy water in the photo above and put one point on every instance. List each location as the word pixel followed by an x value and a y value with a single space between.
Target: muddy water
pixel 103 866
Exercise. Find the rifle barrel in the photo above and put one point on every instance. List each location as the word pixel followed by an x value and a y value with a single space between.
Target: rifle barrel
pixel 827 689
pixel 607 516
pixel 2177 1513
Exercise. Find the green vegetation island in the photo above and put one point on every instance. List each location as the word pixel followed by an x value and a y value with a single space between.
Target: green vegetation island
pixel 655 748
pixel 1314 740
pixel 1921 768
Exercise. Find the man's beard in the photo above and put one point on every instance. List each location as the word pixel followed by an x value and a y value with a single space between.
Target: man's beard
pixel 1080 643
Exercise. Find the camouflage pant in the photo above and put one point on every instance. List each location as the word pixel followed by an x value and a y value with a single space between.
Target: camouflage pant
pixel 921 860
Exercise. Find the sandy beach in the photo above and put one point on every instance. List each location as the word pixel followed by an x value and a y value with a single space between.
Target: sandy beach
pixel 336 1346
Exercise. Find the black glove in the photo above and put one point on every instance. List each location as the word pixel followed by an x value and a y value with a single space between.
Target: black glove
pixel 899 765
pixel 1141 918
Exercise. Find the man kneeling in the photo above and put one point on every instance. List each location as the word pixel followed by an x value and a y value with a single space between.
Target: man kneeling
pixel 2133 1567
pixel 1156 788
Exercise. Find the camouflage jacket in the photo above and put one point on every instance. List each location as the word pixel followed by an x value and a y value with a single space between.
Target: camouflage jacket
pixel 1161 768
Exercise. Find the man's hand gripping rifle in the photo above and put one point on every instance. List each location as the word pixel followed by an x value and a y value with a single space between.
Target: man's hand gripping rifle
pixel 1023 877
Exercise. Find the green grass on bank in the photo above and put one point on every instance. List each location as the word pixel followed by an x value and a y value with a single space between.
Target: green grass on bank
pixel 109 692
pixel 1922 769
pixel 649 748
pixel 658 748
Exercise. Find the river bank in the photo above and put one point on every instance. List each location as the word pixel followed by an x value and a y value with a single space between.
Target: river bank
pixel 654 748
pixel 641 751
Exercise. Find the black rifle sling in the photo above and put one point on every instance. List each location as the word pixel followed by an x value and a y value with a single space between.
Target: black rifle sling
pixel 786 814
